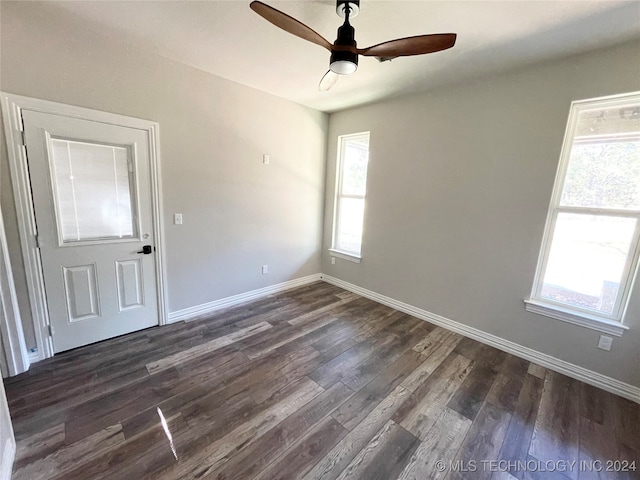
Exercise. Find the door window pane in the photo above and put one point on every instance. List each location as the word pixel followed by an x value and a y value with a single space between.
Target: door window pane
pixel 93 190
pixel 587 260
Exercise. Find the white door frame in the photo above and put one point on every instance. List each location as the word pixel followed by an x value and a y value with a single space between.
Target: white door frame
pixel 7 438
pixel 14 358
pixel 12 106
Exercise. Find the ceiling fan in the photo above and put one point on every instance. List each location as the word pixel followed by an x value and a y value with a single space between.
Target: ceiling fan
pixel 344 52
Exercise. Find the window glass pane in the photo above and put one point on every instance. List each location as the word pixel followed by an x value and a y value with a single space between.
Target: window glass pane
pixel 603 175
pixel 92 189
pixel 587 260
pixel 349 236
pixel 604 162
pixel 354 168
pixel 353 162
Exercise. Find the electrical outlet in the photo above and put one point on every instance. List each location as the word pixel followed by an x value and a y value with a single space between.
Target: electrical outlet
pixel 605 343
pixel 265 269
pixel 266 159
pixel 333 260
pixel 177 219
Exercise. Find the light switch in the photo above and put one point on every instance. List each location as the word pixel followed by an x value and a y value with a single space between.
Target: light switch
pixel 177 219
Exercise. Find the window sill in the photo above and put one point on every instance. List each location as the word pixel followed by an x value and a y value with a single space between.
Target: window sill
pixel 344 255
pixel 583 319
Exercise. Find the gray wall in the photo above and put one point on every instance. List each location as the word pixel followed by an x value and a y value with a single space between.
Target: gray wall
pixel 238 213
pixel 458 189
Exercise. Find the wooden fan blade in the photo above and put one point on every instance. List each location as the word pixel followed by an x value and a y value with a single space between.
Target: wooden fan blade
pixel 403 47
pixel 289 24
pixel 328 80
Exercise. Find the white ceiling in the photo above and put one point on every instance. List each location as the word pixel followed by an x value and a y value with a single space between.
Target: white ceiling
pixel 226 38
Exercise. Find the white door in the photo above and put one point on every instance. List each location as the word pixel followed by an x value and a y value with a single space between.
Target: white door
pixel 90 183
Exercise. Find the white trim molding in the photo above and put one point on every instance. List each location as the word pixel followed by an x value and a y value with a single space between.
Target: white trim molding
pixel 7 437
pixel 12 107
pixel 13 351
pixel 345 256
pixel 191 313
pixel 584 320
pixel 34 356
pixel 6 462
pixel 561 366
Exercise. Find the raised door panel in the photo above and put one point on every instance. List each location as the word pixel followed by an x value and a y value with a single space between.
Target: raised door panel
pixel 81 291
pixel 130 284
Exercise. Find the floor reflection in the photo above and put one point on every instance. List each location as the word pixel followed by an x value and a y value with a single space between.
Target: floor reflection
pixel 167 432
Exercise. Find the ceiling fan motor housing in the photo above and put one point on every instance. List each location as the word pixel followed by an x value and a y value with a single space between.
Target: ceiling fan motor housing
pixel 342 5
pixel 346 37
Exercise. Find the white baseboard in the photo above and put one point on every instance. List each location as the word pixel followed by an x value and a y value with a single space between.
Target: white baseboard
pixel 210 307
pixel 569 369
pixel 34 357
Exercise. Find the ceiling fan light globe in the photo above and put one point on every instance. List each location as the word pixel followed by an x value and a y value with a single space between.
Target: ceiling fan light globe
pixel 343 67
pixel 343 62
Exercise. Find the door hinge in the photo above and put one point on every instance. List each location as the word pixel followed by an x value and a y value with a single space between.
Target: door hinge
pixel 37 240
pixel 50 330
pixel 23 136
pixel 130 166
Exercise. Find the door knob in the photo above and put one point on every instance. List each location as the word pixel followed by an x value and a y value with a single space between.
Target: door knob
pixel 146 250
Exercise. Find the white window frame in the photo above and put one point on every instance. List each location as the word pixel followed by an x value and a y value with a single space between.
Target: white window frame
pixel 611 324
pixel 333 251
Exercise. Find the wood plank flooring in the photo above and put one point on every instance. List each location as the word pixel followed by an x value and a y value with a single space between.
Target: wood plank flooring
pixel 313 383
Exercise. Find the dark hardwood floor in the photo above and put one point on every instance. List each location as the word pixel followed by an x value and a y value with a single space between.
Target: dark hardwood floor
pixel 314 383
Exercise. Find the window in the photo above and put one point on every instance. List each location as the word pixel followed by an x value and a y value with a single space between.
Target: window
pixel 92 190
pixel 590 250
pixel 351 185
